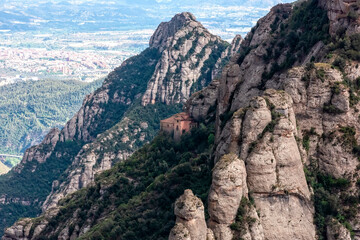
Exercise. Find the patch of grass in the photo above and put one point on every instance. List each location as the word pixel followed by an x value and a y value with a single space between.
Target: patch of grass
pixel 306 138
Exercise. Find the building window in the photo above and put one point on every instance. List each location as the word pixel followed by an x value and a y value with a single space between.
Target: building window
pixel 177 128
pixel 183 131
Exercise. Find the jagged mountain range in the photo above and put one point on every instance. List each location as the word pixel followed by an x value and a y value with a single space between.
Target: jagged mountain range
pixel 275 155
pixel 114 121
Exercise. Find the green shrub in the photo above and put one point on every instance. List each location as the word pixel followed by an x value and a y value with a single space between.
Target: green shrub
pixel 335 89
pixel 320 73
pixel 225 117
pixel 326 201
pixel 331 109
pixel 348 138
pixel 211 139
pixel 307 25
pixel 242 218
pixel 340 63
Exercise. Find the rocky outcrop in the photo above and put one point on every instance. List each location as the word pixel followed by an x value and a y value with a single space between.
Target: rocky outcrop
pixel 202 105
pixel 336 231
pixel 190 218
pixel 18 231
pixel 235 46
pixel 185 48
pixel 279 124
pixel 309 102
pixel 25 229
pixel 266 132
pixel 232 50
pixel 110 147
pixel 167 30
pixel 227 189
pixel 93 158
pixel 343 15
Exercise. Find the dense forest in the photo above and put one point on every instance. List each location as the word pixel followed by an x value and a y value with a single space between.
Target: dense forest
pixel 29 109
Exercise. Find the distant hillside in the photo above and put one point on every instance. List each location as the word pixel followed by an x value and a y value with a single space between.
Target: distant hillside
pixel 29 109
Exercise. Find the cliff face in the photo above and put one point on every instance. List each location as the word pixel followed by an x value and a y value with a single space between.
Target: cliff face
pixel 300 116
pixel 112 123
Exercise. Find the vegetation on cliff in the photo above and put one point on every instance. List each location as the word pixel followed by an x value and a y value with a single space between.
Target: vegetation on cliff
pixel 131 80
pixel 307 25
pixel 135 198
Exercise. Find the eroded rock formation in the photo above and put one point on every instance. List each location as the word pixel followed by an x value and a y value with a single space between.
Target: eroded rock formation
pixel 190 218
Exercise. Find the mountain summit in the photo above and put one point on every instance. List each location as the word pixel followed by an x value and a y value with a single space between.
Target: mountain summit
pixel 189 53
pixel 168 30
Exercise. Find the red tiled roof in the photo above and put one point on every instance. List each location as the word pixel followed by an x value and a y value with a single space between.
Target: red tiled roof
pixel 183 116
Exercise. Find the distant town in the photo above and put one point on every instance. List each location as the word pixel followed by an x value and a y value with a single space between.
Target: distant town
pixel 82 56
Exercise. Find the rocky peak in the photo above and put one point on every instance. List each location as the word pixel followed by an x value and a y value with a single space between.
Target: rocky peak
pixel 235 45
pixel 167 30
pixel 280 123
pixel 189 53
